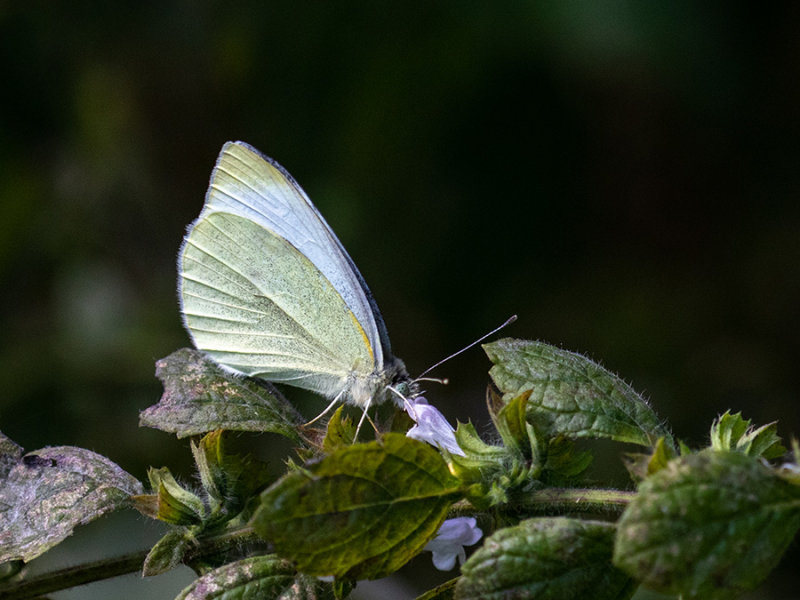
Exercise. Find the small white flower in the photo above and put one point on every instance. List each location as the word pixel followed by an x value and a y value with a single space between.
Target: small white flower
pixel 431 426
pixel 449 543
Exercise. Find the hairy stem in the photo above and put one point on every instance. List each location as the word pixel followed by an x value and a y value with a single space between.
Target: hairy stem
pixel 581 499
pixel 63 579
pixel 585 500
pixel 69 577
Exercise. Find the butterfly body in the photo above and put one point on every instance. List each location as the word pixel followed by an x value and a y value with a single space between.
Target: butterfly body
pixel 268 291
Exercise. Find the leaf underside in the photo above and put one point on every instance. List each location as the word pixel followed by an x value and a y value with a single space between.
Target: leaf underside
pixel 200 397
pixel 51 491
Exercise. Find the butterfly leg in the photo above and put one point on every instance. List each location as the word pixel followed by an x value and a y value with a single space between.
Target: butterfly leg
pixel 361 420
pixel 327 409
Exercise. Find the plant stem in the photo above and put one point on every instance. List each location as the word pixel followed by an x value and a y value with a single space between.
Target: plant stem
pixel 69 577
pixel 586 500
pixel 73 576
pixel 581 499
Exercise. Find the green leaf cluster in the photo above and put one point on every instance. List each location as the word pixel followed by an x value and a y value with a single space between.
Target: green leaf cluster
pixel 707 523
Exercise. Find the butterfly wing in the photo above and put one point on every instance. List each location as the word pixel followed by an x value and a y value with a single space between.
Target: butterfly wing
pixel 249 184
pixel 266 288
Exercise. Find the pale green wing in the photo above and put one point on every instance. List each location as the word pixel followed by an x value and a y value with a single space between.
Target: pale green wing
pixel 257 305
pixel 247 183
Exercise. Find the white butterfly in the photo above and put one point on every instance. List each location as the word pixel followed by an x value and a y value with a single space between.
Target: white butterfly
pixel 267 289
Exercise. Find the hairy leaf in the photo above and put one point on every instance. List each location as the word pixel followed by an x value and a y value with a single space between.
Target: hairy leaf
pixel 51 491
pixel 570 394
pixel 267 577
pixel 200 397
pixel 708 525
pixel 228 479
pixel 168 552
pixel 361 512
pixel 546 559
pixel 733 432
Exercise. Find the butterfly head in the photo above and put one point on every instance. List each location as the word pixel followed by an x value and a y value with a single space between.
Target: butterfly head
pixel 392 383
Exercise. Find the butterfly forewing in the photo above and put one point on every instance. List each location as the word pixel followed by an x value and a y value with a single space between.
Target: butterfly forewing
pixel 246 183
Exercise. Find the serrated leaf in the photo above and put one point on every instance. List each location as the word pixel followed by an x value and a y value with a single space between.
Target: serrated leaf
pixel 546 559
pixel 51 491
pixel 340 432
pixel 267 577
pixel 570 394
pixel 708 525
pixel 200 397
pixel 168 552
pixel 361 512
pixel 733 432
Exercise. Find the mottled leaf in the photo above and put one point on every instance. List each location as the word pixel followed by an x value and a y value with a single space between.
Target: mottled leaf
pixel 10 453
pixel 200 397
pixel 570 394
pixel 52 490
pixel 546 559
pixel 257 577
pixel 361 512
pixel 709 525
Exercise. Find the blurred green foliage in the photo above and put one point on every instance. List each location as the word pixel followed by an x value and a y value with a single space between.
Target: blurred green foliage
pixel 622 175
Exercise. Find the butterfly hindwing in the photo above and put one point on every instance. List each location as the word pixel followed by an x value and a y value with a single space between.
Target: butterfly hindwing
pixel 275 316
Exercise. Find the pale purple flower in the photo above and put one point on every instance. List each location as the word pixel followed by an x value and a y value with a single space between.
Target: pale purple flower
pixel 431 426
pixel 449 543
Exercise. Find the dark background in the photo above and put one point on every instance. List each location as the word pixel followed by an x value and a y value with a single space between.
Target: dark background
pixel 621 175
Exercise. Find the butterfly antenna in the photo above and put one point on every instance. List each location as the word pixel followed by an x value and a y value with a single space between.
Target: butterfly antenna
pixel 510 320
pixel 444 381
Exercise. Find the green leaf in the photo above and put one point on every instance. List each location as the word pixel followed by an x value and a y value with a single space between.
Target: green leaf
pixel 267 577
pixel 480 460
pixel 708 525
pixel 168 552
pixel 47 493
pixel 229 480
pixel 732 432
pixel 515 431
pixel 200 397
pixel 446 591
pixel 546 559
pixel 341 432
pixel 172 502
pixel 361 512
pixel 564 463
pixel 642 465
pixel 209 459
pixel 570 394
